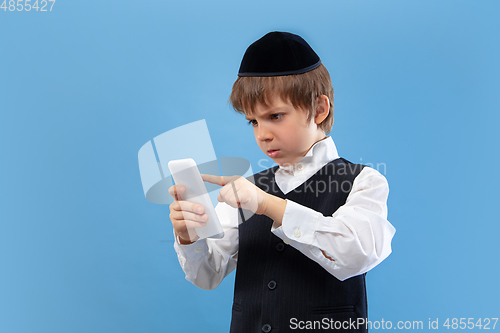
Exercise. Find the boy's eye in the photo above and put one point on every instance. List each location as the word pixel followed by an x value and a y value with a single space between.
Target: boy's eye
pixel 252 122
pixel 276 116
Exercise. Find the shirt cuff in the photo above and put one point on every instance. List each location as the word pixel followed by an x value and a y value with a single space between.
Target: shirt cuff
pixel 194 251
pixel 298 225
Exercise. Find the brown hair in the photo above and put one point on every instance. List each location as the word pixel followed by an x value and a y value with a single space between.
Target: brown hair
pixel 300 90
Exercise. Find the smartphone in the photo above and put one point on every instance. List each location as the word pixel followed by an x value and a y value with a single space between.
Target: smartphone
pixel 186 173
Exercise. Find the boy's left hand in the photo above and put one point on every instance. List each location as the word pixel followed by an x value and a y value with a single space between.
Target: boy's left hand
pixel 238 192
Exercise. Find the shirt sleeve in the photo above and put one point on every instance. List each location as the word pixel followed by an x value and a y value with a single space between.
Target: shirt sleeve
pixel 207 262
pixel 356 238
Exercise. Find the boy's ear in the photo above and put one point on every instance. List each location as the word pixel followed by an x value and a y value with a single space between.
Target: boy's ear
pixel 322 109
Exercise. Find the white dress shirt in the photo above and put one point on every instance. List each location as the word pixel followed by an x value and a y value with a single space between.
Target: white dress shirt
pixel 356 238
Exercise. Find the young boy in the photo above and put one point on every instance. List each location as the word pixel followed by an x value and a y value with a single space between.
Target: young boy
pixel 320 222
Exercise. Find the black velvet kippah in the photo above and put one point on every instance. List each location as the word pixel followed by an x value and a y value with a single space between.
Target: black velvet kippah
pixel 277 54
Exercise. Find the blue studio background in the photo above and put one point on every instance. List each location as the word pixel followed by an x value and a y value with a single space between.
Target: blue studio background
pixel 84 86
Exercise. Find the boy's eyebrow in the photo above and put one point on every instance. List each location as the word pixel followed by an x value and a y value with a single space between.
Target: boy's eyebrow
pixel 267 113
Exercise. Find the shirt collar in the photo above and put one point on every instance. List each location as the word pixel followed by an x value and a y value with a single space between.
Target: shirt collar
pixel 320 154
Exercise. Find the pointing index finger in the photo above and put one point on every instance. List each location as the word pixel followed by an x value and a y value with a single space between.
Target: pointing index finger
pixel 218 180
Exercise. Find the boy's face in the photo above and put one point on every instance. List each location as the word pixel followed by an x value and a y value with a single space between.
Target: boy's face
pixel 282 131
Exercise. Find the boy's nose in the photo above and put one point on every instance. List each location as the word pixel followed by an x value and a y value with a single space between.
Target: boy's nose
pixel 263 134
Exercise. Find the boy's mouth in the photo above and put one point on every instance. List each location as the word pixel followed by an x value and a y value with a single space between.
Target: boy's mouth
pixel 273 152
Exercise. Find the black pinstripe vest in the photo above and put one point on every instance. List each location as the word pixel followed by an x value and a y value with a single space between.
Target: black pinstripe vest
pixel 278 288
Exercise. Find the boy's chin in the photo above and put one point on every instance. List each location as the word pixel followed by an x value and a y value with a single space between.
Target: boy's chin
pixel 278 161
pixel 282 163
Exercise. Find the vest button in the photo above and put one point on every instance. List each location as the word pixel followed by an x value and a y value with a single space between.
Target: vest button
pixel 271 285
pixel 266 328
pixel 280 247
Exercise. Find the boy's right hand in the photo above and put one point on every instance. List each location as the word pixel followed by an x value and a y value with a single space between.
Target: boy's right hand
pixel 185 215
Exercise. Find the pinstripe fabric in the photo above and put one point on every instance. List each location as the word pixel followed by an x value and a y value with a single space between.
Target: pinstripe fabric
pixel 275 282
